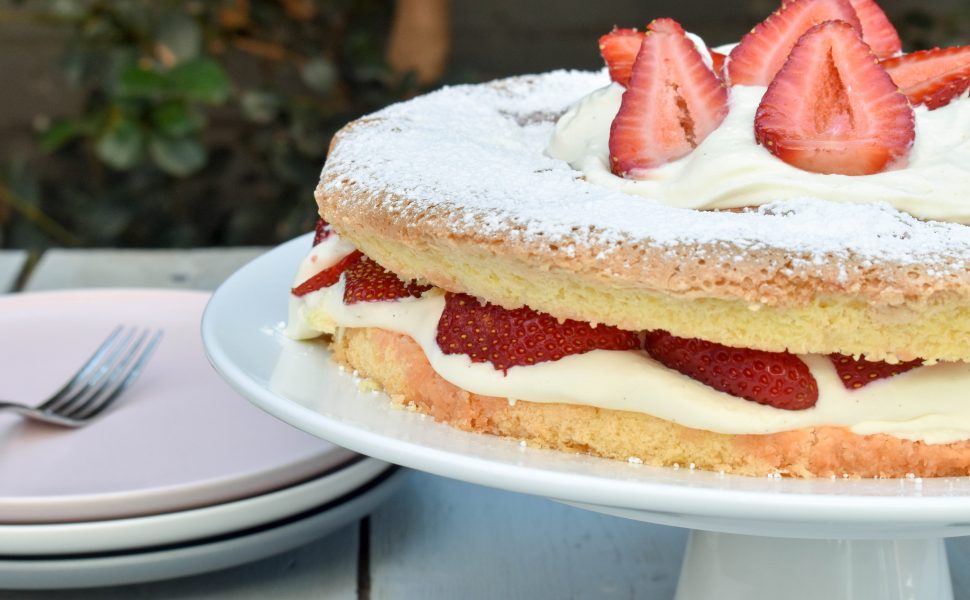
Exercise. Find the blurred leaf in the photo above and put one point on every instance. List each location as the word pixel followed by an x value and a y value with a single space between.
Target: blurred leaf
pixel 260 106
pixel 60 133
pixel 121 145
pixel 320 74
pixel 179 156
pixel 179 34
pixel 204 80
pixel 176 119
pixel 137 82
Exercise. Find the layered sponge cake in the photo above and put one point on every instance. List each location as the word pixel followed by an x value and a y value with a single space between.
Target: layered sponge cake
pixel 753 260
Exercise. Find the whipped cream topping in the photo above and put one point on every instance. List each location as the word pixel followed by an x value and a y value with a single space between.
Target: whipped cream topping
pixel 926 404
pixel 730 170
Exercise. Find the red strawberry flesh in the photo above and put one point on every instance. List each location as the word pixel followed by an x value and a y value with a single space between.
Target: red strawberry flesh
pixel 328 276
pixel 858 372
pixel 931 77
pixel 833 109
pixel 619 49
pixel 763 51
pixel 321 232
pixel 673 102
pixel 777 379
pixel 877 31
pixel 367 281
pixel 506 338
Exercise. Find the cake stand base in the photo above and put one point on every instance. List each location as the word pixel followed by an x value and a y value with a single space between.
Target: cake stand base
pixel 735 567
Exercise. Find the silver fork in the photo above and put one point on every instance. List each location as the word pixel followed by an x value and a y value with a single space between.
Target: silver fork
pixel 98 383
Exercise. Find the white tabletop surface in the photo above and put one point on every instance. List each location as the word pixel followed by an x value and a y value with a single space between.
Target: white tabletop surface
pixel 435 539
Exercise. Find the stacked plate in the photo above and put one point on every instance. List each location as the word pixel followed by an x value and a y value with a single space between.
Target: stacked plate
pixel 183 476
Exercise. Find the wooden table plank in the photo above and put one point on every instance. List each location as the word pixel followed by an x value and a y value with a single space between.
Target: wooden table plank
pixel 441 539
pixel 11 264
pixel 202 269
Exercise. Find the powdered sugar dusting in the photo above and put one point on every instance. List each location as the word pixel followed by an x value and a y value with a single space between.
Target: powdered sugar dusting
pixel 478 153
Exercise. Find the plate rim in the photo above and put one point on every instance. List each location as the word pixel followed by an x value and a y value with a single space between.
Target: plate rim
pixel 135 534
pixel 662 497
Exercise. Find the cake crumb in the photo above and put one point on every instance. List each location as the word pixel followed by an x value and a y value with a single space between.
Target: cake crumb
pixel 635 460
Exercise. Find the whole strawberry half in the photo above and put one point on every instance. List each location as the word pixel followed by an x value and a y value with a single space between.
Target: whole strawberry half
pixel 777 379
pixel 328 276
pixel 508 338
pixel 673 102
pixel 932 78
pixel 832 109
pixel 367 281
pixel 619 49
pixel 321 232
pixel 858 372
pixel 877 30
pixel 762 52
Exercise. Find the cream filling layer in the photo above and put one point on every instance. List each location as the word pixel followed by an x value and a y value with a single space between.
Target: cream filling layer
pixel 730 170
pixel 928 404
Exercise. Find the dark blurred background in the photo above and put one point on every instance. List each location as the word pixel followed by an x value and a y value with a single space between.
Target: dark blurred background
pixel 141 123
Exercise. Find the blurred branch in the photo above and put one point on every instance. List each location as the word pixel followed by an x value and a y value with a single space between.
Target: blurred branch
pixel 49 226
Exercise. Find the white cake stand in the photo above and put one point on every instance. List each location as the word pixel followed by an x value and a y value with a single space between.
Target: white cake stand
pixel 752 538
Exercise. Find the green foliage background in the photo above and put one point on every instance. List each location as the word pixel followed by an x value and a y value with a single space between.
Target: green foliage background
pixel 202 122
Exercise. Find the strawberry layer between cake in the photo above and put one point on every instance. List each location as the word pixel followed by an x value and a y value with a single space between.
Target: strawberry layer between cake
pixel 456 188
pixel 925 405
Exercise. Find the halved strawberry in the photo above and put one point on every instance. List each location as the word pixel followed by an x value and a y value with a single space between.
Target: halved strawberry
pixel 778 379
pixel 931 77
pixel 322 231
pixel 856 373
pixel 619 49
pixel 508 338
pixel 763 50
pixel 877 30
pixel 833 109
pixel 328 276
pixel 717 60
pixel 674 101
pixel 367 281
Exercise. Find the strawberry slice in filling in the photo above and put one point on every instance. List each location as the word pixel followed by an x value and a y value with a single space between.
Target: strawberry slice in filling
pixel 833 109
pixel 763 51
pixel 674 101
pixel 932 78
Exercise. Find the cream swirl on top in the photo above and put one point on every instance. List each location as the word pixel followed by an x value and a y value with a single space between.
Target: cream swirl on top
pixel 730 170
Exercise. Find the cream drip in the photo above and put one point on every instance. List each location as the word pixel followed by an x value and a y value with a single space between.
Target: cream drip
pixel 928 404
pixel 730 170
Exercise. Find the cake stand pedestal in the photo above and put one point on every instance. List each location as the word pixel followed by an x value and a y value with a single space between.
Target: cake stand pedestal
pixel 742 567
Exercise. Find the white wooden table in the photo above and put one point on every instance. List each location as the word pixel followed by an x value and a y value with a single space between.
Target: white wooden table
pixel 436 539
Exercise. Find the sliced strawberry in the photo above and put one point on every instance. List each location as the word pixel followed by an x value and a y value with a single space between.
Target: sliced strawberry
pixel 508 338
pixel 877 30
pixel 327 277
pixel 322 231
pixel 367 281
pixel 856 373
pixel 619 49
pixel 765 48
pixel 674 101
pixel 931 77
pixel 778 379
pixel 718 61
pixel 833 109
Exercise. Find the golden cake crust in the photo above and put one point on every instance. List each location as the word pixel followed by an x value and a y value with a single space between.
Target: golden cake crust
pixel 398 365
pixel 910 299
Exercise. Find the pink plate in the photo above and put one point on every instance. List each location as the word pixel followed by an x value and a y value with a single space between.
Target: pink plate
pixel 179 438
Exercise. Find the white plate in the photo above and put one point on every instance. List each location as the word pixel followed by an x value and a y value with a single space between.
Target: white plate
pixel 201 557
pixel 241 331
pixel 180 437
pixel 188 525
